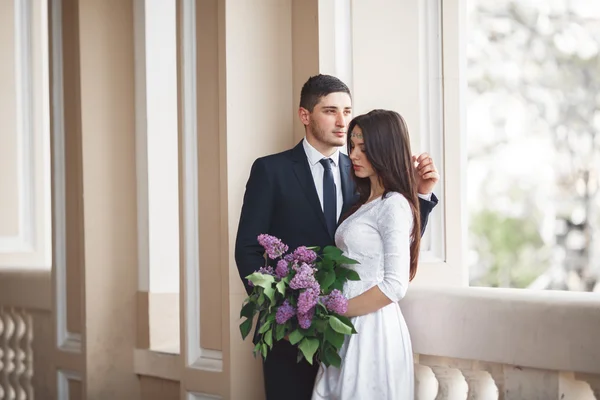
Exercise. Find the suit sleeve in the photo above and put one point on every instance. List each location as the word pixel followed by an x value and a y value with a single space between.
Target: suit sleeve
pixel 425 207
pixel 254 220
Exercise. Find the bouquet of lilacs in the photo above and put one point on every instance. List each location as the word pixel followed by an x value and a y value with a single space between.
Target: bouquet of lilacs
pixel 300 301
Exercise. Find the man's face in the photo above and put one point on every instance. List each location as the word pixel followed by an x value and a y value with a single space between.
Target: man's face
pixel 329 120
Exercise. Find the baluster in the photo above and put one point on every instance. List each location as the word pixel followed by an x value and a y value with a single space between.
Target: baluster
pixel 19 377
pixel 481 385
pixel 426 384
pixel 452 384
pixel 8 355
pixel 27 346
pixel 2 391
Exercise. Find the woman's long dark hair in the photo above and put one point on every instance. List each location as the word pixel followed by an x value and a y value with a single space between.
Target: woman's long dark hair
pixel 387 147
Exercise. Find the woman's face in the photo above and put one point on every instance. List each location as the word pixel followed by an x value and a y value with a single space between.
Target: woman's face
pixel 360 163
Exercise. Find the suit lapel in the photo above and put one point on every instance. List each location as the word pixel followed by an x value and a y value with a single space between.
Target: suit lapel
pixel 302 171
pixel 347 183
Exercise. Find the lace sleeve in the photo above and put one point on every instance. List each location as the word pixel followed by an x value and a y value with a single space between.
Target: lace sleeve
pixel 395 224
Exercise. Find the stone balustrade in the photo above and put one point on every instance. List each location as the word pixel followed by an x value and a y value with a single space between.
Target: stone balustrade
pixel 16 354
pixel 440 378
pixel 480 344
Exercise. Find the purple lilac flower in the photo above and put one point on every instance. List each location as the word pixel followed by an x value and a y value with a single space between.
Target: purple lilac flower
pixel 263 270
pixel 336 302
pixel 282 269
pixel 306 319
pixel 304 277
pixel 284 313
pixel 308 299
pixel 266 270
pixel 273 246
pixel 304 255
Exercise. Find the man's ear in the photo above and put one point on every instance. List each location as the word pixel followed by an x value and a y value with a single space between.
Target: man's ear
pixel 304 115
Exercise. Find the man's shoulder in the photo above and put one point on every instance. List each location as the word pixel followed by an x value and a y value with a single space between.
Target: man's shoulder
pixel 282 157
pixel 276 158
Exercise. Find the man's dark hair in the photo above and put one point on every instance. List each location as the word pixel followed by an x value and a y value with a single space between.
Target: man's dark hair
pixel 320 86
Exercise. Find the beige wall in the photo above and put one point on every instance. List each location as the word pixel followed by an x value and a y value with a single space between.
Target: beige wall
pixel 108 166
pixel 210 197
pixel 158 389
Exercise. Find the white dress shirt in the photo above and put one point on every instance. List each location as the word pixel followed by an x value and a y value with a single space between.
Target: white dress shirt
pixel 316 168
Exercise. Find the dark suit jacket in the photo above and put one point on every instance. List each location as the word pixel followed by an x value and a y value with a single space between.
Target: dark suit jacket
pixel 281 200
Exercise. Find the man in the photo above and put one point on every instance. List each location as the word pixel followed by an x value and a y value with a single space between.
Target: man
pixel 298 197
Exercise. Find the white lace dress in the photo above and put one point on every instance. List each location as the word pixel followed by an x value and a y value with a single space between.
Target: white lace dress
pixel 377 362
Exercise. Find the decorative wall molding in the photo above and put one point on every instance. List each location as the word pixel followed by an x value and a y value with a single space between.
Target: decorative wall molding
pixel 432 118
pixel 196 356
pixel 66 341
pixel 202 396
pixel 63 378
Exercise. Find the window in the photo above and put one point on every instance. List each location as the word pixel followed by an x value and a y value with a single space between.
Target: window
pixel 534 144
pixel 157 171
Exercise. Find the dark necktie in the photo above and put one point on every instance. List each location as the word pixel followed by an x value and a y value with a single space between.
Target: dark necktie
pixel 329 196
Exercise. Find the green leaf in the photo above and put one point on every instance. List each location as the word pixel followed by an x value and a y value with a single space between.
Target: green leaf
pixel 268 338
pixel 339 326
pixel 245 327
pixel 332 357
pixel 320 275
pixel 256 349
pixel 316 249
pixel 265 327
pixel 320 324
pixel 308 332
pixel 346 274
pixel 308 347
pixel 248 310
pixel 263 350
pixel 347 321
pixel 346 260
pixel 333 337
pixel 325 265
pixel 353 276
pixel 328 280
pixel 261 299
pixel 280 332
pixel 322 307
pixel 332 251
pixel 270 293
pixel 338 284
pixel 262 280
pixel 296 336
pixel 281 287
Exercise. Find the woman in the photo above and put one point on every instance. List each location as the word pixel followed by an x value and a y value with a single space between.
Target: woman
pixel 382 232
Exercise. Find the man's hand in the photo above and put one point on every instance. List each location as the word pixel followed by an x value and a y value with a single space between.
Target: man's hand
pixel 426 173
